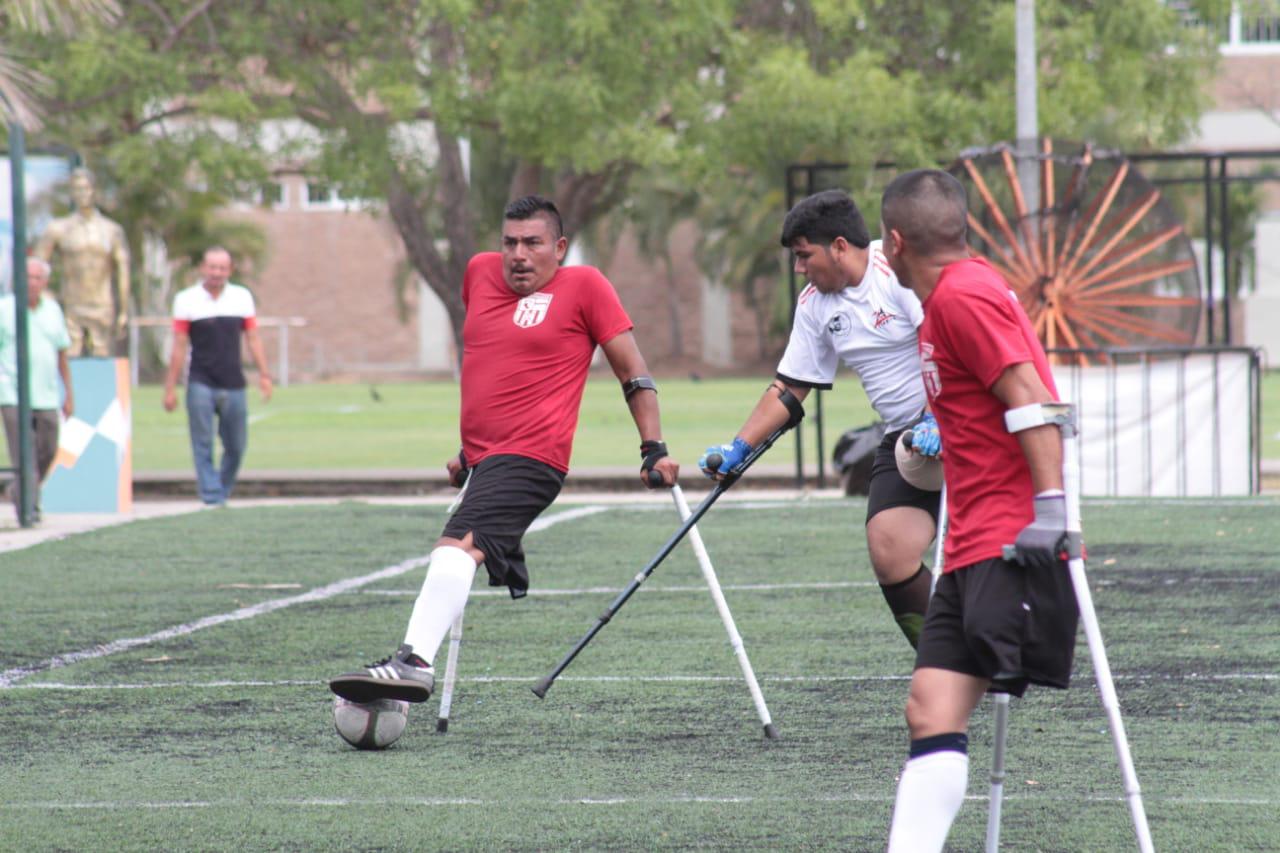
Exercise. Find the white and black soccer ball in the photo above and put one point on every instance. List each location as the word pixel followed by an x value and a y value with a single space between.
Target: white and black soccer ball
pixel 370 725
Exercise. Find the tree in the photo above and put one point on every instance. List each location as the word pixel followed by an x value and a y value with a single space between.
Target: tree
pixel 19 84
pixel 913 82
pixel 440 111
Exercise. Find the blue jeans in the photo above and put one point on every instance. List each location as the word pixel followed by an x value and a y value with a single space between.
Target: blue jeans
pixel 203 404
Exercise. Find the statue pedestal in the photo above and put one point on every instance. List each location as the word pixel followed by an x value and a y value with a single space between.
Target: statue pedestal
pixel 93 471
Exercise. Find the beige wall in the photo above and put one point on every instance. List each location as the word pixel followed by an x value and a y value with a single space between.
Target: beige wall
pixel 335 269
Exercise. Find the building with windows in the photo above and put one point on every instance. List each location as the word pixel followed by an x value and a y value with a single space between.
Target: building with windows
pixel 1245 117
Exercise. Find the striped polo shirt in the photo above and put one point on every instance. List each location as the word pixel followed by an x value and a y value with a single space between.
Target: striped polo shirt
pixel 214 327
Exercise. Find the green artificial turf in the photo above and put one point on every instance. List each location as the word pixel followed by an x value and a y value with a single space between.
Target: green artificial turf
pixel 220 737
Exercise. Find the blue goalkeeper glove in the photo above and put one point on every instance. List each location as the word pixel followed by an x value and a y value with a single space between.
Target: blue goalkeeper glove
pixel 925 438
pixel 1041 542
pixel 731 456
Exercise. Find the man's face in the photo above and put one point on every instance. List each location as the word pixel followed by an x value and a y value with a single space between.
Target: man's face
pixel 215 269
pixel 531 253
pixel 81 192
pixel 37 281
pixel 818 265
pixel 890 243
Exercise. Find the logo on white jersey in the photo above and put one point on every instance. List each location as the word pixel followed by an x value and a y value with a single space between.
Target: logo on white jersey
pixel 838 325
pixel 532 310
pixel 881 317
pixel 929 370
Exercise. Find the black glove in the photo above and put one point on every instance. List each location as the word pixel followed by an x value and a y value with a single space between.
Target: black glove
pixel 460 479
pixel 650 453
pixel 1041 542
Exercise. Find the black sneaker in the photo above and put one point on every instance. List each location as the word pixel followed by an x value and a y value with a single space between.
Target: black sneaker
pixel 402 676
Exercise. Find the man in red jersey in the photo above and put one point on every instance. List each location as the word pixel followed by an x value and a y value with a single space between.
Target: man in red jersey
pixel 992 624
pixel 530 332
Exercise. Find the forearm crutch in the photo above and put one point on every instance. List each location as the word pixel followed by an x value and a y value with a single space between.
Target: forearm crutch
pixel 540 689
pixel 1000 701
pixel 450 675
pixel 717 595
pixel 1063 416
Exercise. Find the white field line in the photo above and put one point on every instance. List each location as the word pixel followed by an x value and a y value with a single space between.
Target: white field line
pixel 11 676
pixel 674 800
pixel 629 679
pixel 818 585
pixel 614 590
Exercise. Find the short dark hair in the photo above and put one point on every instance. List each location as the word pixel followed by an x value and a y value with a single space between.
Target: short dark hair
pixel 929 208
pixel 530 206
pixel 822 217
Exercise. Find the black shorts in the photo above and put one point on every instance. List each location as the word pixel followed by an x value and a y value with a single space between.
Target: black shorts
pixel 997 620
pixel 504 495
pixel 888 489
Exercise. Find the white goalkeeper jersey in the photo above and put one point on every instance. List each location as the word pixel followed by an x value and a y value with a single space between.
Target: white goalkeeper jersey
pixel 871 327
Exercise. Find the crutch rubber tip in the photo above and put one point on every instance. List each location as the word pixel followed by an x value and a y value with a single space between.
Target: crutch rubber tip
pixel 540 689
pixel 770 732
pixel 442 725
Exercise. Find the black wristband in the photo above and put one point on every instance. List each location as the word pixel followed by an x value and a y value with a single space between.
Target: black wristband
pixel 638 383
pixel 650 453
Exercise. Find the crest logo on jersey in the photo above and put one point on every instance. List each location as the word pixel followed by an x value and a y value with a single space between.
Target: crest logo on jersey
pixel 838 325
pixel 532 310
pixel 881 316
pixel 929 371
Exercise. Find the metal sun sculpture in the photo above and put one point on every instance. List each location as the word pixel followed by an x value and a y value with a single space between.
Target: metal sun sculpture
pixel 1097 257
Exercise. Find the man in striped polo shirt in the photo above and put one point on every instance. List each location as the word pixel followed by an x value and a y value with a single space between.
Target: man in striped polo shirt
pixel 209 319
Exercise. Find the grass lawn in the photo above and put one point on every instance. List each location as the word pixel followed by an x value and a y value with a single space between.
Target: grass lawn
pixel 415 424
pixel 167 692
pixel 410 425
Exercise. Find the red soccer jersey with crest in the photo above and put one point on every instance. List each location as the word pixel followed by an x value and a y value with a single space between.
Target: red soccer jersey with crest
pixel 525 358
pixel 973 330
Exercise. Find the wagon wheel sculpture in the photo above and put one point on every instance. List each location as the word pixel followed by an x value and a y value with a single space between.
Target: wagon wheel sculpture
pixel 1098 260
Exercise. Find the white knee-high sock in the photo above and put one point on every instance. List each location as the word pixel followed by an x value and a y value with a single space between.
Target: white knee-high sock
pixel 444 594
pixel 930 794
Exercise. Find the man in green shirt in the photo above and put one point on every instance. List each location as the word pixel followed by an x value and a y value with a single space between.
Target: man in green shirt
pixel 48 343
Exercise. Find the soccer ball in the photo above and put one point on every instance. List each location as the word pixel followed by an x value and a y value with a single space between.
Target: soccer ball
pixel 923 472
pixel 370 725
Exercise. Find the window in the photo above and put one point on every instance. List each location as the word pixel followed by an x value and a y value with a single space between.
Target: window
pixel 1253 26
pixel 271 194
pixel 324 196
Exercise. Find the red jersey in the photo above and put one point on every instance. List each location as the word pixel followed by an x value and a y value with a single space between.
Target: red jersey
pixel 973 330
pixel 525 358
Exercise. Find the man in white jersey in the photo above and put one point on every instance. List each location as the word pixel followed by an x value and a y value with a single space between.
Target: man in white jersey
pixel 853 310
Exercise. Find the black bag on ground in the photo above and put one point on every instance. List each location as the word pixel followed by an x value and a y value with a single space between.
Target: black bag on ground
pixel 853 455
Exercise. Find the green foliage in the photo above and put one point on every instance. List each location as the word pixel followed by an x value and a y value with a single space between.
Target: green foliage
pixel 589 102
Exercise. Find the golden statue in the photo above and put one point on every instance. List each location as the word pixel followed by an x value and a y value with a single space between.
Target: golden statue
pixel 92 252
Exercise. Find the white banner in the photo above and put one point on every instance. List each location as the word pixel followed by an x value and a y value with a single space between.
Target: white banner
pixel 1177 426
pixel 44 175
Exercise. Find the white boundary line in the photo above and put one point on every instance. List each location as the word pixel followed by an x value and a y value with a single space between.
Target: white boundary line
pixel 811 585
pixel 624 679
pixel 613 590
pixel 675 800
pixel 10 676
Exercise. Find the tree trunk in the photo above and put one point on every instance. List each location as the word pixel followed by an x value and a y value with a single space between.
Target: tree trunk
pixel 442 275
pixel 674 308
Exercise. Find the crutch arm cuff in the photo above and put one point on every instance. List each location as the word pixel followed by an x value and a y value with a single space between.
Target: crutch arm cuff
pixel 1037 415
